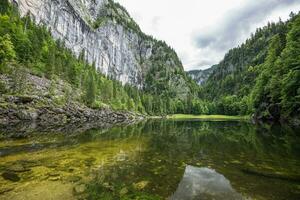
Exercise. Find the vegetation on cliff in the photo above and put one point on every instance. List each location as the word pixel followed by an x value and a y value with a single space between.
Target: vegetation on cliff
pixel 165 77
pixel 28 47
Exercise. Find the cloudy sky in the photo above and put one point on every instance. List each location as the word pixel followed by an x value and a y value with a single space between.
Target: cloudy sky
pixel 202 31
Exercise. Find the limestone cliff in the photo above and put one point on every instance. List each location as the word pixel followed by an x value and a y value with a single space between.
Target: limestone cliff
pixel 119 52
pixel 201 76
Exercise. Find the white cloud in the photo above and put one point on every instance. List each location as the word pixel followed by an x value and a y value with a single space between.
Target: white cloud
pixel 183 24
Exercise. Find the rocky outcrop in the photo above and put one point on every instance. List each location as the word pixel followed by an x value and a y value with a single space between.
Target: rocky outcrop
pixel 13 113
pixel 201 76
pixel 45 106
pixel 271 113
pixel 113 50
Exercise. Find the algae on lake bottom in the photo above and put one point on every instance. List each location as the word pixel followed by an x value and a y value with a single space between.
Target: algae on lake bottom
pixel 148 161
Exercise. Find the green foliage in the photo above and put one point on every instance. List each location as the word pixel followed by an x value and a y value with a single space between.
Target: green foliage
pixel 261 76
pixel 7 52
pixel 290 60
pixel 90 90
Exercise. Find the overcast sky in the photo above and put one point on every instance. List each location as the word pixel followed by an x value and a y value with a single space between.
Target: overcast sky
pixel 202 31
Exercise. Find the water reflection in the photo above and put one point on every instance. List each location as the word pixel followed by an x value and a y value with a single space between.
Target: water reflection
pixel 204 183
pixel 147 161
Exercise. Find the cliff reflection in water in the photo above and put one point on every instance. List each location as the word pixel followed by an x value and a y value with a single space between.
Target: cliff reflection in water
pixel 155 159
pixel 204 183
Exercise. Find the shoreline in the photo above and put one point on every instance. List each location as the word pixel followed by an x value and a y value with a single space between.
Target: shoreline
pixel 208 117
pixel 42 111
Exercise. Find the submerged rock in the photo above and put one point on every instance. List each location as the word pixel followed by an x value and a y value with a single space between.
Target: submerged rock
pixel 54 178
pixel 11 176
pixel 18 168
pixel 53 174
pixel 123 191
pixel 140 185
pixel 79 189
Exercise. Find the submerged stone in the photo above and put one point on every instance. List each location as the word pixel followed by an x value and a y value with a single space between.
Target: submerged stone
pixel 11 176
pixel 140 185
pixel 18 168
pixel 54 178
pixel 53 174
pixel 123 191
pixel 79 189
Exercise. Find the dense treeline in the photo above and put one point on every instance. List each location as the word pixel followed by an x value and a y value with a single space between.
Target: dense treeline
pixel 261 76
pixel 26 45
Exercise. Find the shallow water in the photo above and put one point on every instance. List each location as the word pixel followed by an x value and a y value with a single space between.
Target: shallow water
pixel 157 159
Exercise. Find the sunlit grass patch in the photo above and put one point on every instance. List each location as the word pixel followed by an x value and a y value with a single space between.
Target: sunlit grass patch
pixel 208 117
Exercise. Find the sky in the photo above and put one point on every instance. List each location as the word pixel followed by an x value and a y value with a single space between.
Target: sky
pixel 202 31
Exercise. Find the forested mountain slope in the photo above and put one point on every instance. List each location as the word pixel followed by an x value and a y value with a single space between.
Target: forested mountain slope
pixel 261 76
pixel 30 56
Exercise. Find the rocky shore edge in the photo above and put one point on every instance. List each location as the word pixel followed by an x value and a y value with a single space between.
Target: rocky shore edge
pixel 47 103
pixel 25 109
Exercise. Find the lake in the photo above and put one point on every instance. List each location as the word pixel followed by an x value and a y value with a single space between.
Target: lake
pixel 154 159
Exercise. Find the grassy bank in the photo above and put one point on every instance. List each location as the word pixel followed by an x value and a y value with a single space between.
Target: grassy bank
pixel 208 117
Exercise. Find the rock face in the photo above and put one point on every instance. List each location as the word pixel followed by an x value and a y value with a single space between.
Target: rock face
pixel 39 106
pixel 109 47
pixel 118 52
pixel 201 76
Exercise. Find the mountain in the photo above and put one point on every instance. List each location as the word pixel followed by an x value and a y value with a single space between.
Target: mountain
pixel 108 37
pixel 201 76
pixel 67 61
pixel 261 76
